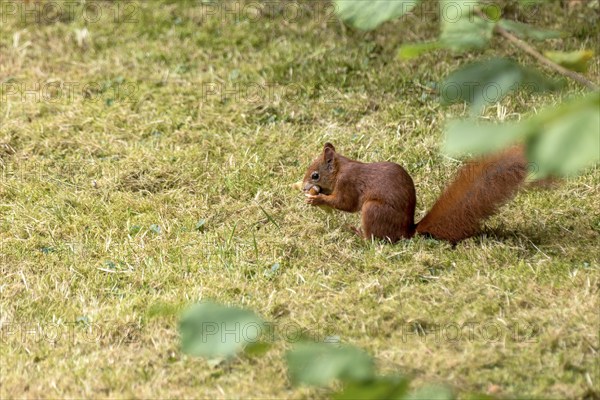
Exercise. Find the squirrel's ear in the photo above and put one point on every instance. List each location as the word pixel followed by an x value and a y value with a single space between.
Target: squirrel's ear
pixel 329 156
pixel 328 146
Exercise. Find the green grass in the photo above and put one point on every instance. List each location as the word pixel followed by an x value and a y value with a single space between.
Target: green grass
pixel 101 193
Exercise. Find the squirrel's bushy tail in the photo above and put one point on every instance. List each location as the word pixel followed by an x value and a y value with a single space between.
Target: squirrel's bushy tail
pixel 480 188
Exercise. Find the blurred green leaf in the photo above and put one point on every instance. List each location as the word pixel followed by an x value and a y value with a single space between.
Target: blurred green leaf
pixel 257 349
pixel 568 144
pixel 412 50
pixel 530 3
pixel 525 31
pixel 318 364
pixel 211 330
pixel 492 11
pixel 488 82
pixel 367 15
pixel 380 388
pixel 574 60
pixel 460 28
pixel 477 396
pixel 431 392
pixel 560 141
pixel 467 137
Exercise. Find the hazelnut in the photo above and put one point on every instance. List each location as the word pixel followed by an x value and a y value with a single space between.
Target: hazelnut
pixel 314 190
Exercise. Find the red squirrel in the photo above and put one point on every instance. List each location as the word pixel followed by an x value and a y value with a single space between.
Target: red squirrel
pixel 384 193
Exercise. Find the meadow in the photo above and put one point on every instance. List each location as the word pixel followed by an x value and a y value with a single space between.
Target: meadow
pixel 147 150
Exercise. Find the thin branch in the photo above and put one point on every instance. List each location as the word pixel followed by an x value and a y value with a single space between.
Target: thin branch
pixel 547 62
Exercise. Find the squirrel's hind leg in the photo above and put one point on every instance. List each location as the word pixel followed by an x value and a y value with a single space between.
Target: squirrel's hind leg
pixel 381 221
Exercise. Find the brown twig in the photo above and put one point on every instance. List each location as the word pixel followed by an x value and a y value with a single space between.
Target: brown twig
pixel 547 62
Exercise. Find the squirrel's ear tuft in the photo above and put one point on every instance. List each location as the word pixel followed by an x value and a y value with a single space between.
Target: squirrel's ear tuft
pixel 328 146
pixel 329 157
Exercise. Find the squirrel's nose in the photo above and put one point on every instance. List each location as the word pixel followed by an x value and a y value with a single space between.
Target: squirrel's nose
pixel 307 186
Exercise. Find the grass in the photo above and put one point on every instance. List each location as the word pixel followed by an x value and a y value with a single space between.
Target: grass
pixel 102 192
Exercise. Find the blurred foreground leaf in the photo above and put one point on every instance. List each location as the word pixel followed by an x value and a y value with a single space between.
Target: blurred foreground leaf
pixel 381 388
pixel 487 82
pixel 431 392
pixel 567 144
pixel 318 364
pixel 467 137
pixel 211 330
pixel 460 28
pixel 560 141
pixel 368 15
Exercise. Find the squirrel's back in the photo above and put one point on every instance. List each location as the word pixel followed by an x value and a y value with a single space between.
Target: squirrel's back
pixel 383 181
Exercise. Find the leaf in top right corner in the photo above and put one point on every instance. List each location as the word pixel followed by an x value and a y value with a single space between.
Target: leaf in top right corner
pixel 574 60
pixel 567 138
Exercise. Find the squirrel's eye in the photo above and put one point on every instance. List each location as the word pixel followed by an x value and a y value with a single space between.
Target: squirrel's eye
pixel 314 176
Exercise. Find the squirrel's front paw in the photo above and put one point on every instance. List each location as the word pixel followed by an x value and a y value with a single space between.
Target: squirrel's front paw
pixel 315 200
